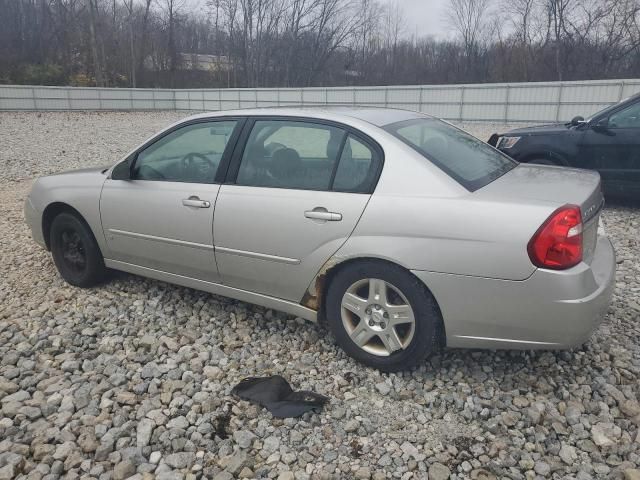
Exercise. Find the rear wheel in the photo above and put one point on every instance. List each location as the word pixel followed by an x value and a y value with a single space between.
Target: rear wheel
pixel 75 251
pixel 382 316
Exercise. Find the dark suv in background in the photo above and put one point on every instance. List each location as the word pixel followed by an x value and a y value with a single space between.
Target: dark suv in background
pixel 608 142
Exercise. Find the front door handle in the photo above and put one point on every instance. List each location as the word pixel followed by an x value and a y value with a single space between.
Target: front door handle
pixel 321 213
pixel 194 201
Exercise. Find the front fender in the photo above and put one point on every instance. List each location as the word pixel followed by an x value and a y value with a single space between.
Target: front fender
pixel 549 150
pixel 79 190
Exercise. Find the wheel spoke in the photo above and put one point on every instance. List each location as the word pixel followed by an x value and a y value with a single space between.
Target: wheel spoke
pixel 390 340
pixel 399 314
pixel 377 291
pixel 354 304
pixel 361 334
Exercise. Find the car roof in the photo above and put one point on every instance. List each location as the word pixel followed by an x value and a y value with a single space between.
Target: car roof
pixel 374 115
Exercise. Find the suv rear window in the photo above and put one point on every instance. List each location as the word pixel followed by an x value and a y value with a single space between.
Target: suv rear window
pixel 466 159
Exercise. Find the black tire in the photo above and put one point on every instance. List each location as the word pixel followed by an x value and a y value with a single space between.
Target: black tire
pixel 428 322
pixel 75 251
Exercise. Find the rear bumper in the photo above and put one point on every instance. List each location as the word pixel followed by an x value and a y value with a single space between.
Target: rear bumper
pixel 549 310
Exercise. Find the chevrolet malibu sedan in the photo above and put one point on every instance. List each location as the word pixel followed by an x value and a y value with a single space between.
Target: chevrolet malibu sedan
pixel 400 231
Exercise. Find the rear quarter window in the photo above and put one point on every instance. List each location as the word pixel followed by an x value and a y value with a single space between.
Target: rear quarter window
pixel 469 161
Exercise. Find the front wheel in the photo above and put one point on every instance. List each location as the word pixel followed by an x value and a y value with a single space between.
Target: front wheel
pixel 75 251
pixel 382 316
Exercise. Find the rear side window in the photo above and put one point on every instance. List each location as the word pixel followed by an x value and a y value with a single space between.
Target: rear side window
pixel 356 169
pixel 466 159
pixel 290 154
pixel 304 155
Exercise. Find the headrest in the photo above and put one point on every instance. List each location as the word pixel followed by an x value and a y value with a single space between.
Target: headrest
pixel 284 162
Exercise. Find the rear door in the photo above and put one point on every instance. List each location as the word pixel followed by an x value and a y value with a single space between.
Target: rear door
pixel 162 217
pixel 294 194
pixel 612 146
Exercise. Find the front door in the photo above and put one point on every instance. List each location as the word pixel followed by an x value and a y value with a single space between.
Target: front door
pixel 299 190
pixel 162 218
pixel 612 147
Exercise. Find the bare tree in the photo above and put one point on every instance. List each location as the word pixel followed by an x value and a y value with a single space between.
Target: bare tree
pixel 558 12
pixel 468 18
pixel 394 24
pixel 128 4
pixel 522 16
pixel 171 11
pixel 95 44
pixel 311 42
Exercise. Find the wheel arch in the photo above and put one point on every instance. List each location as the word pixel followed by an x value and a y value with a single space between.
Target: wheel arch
pixel 52 211
pixel 546 154
pixel 316 295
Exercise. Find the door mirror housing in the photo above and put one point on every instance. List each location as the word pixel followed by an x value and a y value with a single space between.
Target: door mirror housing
pixel 122 171
pixel 575 121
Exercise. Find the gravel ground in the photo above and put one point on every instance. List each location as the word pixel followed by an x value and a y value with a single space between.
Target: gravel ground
pixel 132 379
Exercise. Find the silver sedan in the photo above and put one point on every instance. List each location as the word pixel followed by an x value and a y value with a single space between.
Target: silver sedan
pixel 400 231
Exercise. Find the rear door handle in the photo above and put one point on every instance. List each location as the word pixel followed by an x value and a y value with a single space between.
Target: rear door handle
pixel 321 213
pixel 194 201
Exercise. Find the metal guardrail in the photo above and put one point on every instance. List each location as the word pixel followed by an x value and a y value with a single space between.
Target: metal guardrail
pixel 498 102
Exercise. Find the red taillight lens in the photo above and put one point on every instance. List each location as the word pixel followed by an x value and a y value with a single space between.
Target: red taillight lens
pixel 558 242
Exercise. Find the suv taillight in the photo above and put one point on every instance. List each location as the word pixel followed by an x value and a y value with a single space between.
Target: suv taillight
pixel 558 242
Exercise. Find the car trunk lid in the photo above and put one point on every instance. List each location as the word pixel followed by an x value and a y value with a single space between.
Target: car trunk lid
pixel 556 187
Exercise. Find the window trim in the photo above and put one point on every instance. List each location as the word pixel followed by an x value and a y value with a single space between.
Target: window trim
pixel 236 158
pixel 224 160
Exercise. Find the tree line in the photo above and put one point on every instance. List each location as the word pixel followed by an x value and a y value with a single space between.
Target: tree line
pixel 293 43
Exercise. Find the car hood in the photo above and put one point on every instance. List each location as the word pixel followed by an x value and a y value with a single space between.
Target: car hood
pixel 550 129
pixel 82 171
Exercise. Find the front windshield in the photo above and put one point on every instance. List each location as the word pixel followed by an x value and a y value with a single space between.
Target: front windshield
pixel 466 159
pixel 613 107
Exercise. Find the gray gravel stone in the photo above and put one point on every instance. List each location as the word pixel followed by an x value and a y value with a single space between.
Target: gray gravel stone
pixel 144 431
pixel 438 471
pixel 180 459
pixel 124 470
pixel 243 438
pixel 605 434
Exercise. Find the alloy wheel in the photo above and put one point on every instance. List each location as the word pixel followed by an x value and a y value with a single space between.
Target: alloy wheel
pixel 377 316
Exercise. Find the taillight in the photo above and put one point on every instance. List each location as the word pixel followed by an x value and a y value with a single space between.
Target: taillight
pixel 558 242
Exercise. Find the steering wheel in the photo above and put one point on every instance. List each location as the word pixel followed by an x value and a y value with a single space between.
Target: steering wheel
pixel 193 168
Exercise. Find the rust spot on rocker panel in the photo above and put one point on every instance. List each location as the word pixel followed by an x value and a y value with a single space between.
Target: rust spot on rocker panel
pixel 313 296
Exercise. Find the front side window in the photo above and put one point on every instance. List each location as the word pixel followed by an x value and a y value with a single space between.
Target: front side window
pixel 469 161
pixel 189 154
pixel 290 154
pixel 627 118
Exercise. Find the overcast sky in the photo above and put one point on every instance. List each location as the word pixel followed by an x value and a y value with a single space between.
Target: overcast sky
pixel 424 17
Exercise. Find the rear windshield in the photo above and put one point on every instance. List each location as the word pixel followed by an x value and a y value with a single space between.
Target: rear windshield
pixel 468 160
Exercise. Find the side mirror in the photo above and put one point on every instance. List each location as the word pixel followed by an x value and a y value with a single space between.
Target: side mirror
pixel 577 120
pixel 601 125
pixel 122 171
